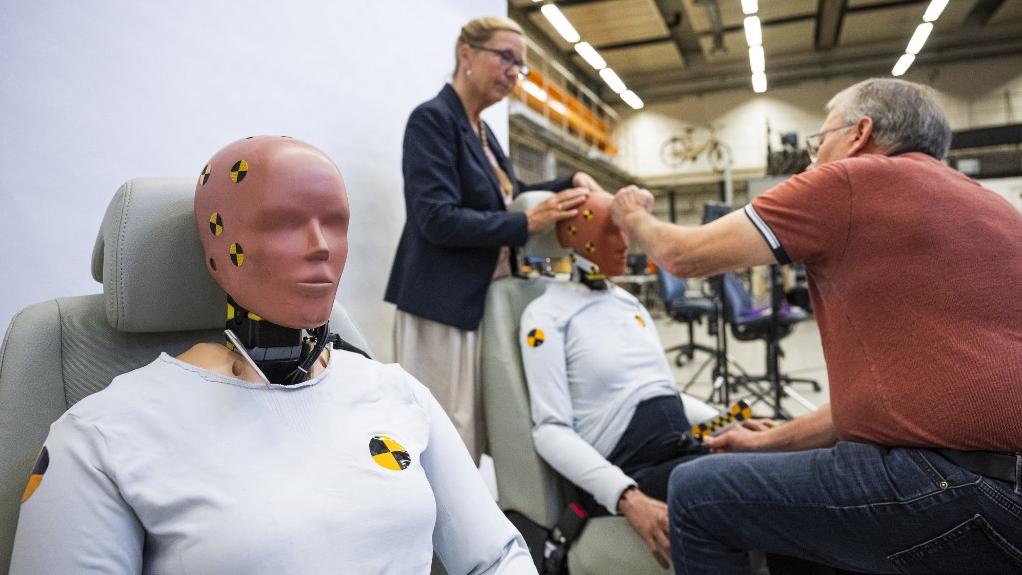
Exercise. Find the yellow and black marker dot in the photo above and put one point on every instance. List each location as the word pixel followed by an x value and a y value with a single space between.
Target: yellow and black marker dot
pixel 535 337
pixel 41 463
pixel 587 214
pixel 738 412
pixel 237 255
pixel 638 318
pixel 204 176
pixel 388 453
pixel 572 230
pixel 590 247
pixel 238 171
pixel 216 224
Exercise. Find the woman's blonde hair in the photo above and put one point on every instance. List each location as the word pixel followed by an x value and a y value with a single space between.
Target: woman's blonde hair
pixel 480 30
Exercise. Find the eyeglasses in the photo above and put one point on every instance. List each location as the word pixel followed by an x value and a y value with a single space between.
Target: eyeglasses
pixel 814 142
pixel 507 58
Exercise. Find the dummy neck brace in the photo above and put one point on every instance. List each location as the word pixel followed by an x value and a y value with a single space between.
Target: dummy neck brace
pixel 587 273
pixel 284 355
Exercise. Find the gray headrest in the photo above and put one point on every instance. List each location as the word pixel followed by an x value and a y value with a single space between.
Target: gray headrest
pixel 150 261
pixel 541 244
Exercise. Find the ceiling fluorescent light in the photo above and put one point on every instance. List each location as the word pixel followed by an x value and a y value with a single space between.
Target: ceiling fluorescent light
pixel 560 23
pixel 903 63
pixel 756 59
pixel 759 83
pixel 632 100
pixel 753 33
pixel 534 90
pixel 751 6
pixel 933 10
pixel 590 55
pixel 919 38
pixel 612 80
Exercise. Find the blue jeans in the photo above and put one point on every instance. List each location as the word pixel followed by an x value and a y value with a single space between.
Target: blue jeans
pixel 855 506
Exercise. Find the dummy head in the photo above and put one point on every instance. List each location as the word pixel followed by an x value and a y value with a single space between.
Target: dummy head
pixel 593 235
pixel 272 215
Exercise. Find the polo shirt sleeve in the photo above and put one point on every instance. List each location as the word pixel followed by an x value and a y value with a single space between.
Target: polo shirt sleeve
pixel 807 217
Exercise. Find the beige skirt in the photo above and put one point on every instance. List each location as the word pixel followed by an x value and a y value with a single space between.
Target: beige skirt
pixel 446 360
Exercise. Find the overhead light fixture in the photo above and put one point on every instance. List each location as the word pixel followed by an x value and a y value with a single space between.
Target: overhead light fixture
pixel 759 83
pixel 611 78
pixel 534 90
pixel 558 107
pixel 919 38
pixel 590 55
pixel 751 6
pixel 632 99
pixel 903 64
pixel 933 10
pixel 560 23
pixel 753 33
pixel 756 59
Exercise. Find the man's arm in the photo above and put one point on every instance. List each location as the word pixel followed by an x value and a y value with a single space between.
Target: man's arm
pixel 729 243
pixel 811 431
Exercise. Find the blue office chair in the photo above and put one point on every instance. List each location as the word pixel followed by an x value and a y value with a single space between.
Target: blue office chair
pixel 683 309
pixel 770 324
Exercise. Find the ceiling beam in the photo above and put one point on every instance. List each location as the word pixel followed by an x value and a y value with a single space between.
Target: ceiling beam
pixel 830 15
pixel 981 13
pixel 686 39
pixel 875 59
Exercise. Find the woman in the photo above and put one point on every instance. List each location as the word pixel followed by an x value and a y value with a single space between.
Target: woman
pixel 250 458
pixel 458 184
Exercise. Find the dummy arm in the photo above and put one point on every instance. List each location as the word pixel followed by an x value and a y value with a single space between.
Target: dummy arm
pixel 553 433
pixel 436 201
pixel 471 534
pixel 76 521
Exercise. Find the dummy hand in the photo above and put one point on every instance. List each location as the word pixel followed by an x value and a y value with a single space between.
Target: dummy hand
pixel 744 437
pixel 648 517
pixel 629 200
pixel 584 180
pixel 558 207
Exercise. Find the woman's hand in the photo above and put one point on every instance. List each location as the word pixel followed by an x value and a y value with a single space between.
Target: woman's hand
pixel 648 517
pixel 584 180
pixel 560 206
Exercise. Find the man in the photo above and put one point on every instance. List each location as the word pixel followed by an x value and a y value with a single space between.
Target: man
pixel 913 467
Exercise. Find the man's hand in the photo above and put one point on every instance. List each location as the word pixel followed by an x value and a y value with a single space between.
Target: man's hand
pixel 584 180
pixel 744 437
pixel 648 517
pixel 629 200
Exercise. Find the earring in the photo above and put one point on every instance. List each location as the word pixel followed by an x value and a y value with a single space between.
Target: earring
pixel 468 72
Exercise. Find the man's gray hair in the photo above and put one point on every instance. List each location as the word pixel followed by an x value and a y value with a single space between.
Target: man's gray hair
pixel 906 116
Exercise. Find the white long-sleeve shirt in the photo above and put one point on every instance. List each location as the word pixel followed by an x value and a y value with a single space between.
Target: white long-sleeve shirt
pixel 590 357
pixel 173 469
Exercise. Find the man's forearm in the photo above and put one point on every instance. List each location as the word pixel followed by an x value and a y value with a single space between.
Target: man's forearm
pixel 810 431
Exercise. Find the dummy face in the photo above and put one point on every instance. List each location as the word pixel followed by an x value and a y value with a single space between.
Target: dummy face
pixel 593 235
pixel 272 214
pixel 491 76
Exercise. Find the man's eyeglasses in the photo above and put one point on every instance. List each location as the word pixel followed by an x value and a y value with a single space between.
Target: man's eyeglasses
pixel 507 58
pixel 814 142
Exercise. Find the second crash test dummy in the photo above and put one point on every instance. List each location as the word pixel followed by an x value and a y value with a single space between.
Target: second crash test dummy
pixel 301 457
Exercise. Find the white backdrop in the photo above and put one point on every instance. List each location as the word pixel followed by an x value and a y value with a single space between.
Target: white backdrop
pixel 95 93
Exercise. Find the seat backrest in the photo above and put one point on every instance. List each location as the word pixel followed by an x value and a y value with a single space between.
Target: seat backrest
pixel 157 297
pixel 524 481
pixel 672 288
pixel 737 299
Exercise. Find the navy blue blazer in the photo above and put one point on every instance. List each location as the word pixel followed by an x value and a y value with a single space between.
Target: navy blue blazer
pixel 455 219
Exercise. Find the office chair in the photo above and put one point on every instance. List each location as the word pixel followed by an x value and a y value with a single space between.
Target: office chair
pixel 684 310
pixel 156 297
pixel 770 324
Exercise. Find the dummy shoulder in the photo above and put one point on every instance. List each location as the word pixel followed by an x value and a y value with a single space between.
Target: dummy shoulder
pixel 558 303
